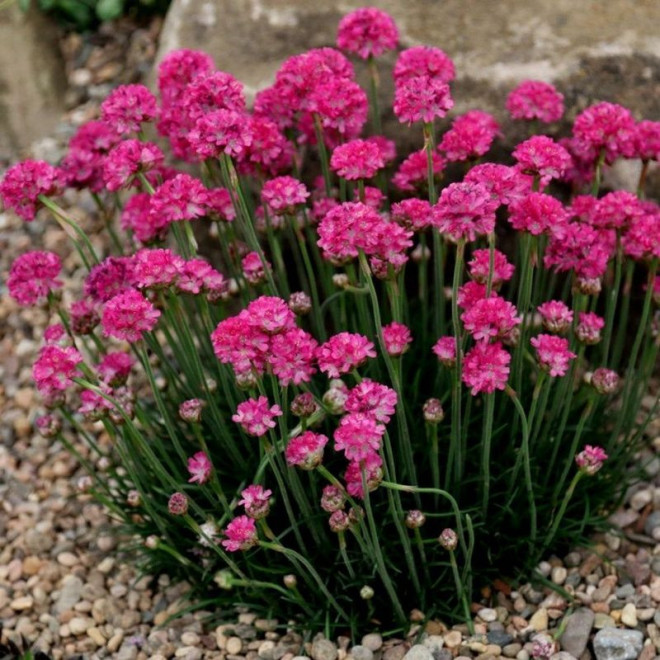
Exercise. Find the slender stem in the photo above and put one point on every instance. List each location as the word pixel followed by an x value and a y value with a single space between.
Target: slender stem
pixel 460 587
pixel 486 438
pixel 373 95
pixel 562 510
pixel 455 447
pixel 323 155
pixel 612 300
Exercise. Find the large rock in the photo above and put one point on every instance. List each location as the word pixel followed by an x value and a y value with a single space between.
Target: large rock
pixel 32 81
pixel 618 644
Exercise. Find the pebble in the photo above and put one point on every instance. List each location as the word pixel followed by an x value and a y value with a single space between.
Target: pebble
pixel 373 641
pixel 453 639
pixel 79 625
pixel 512 650
pixel 322 649
pixel 617 644
pixel 487 614
pixel 96 636
pixel 418 652
pixel 233 645
pixel 603 621
pixel 22 603
pixel 539 620
pixel 629 615
pixel 559 574
pixel 576 633
pixel 70 594
pixel 499 637
pixel 360 652
pixel 189 653
pixel 68 559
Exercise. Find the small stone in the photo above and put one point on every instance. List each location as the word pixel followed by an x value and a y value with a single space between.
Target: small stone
pixel 487 614
pixel 234 645
pixel 640 499
pixel 79 625
pixel 625 591
pixel 617 644
pixel 190 638
pixel 499 637
pixel 559 574
pixel 68 559
pixel 511 650
pixel 266 625
pixel 602 620
pixel 396 652
pixel 96 636
pixel 70 594
pixel 323 649
pixel 373 641
pixel 453 639
pixel 629 616
pixel 265 649
pixel 652 523
pixel 106 565
pixel 115 641
pixel 646 613
pixel 31 565
pixel 360 652
pixel 576 633
pixel 22 603
pixel 562 655
pixel 189 653
pixel 539 620
pixel 419 652
pixel 434 643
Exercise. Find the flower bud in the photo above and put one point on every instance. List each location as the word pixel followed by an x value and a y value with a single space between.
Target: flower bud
pixel 48 425
pixel 152 542
pixel 448 539
pixel 191 410
pixel 209 530
pixel 366 593
pixel 591 459
pixel 224 579
pixel 246 380
pixel 420 253
pixel 333 499
pixel 588 286
pixel 304 405
pixel 103 463
pixel 355 515
pixel 335 398
pixel 433 412
pixel 339 521
pixel 211 384
pixel 415 519
pixel 133 498
pixel 300 303
pixel 178 504
pixel 605 381
pixel 340 280
pixel 290 581
pixel 126 399
pixel 84 484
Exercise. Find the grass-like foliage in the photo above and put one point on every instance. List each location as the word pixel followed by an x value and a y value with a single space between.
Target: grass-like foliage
pixel 389 384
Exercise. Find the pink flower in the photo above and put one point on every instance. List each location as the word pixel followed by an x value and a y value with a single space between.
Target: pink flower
pixel 221 132
pixel 83 316
pixel 24 182
pixel 371 466
pixel 470 293
pixel 33 276
pixel 534 99
pixel 357 159
pixel 617 210
pixel 219 204
pixel 343 353
pixel 386 147
pixel 604 128
pixel 196 275
pixel 412 172
pixel 541 156
pixel 424 61
pixel 237 341
pixel 269 151
pixel 214 91
pixel 552 354
pixel 421 98
pixel 374 399
pixel 580 248
pixel 397 338
pixel 179 198
pixel 358 435
pixel 538 213
pixel 127 316
pixel 605 381
pixel 589 327
pixel 412 214
pixel 557 317
pixel 112 276
pixel 464 211
pixel 642 240
pixel 55 369
pixel 345 229
pixel 283 194
pixel 445 349
pixel 505 184
pixel 479 267
pixel 136 218
pixel 127 107
pixel 306 450
pixel 292 356
pixel 332 499
pixel 191 411
pixel 270 315
pixel 591 459
pixel 339 521
pixel 253 268
pixel 486 368
pixel 199 466
pixel 114 368
pixel 256 501
pixel 56 334
pixel 647 140
pixel 178 504
pixel 241 534
pixel 367 32
pixel 179 68
pixel 470 136
pixel 490 318
pixel 156 268
pixel 256 417
pixel 126 160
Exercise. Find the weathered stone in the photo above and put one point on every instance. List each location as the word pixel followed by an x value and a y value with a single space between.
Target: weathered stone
pixel 70 594
pixel 418 652
pixel 576 634
pixel 539 620
pixel 323 649
pixel 617 644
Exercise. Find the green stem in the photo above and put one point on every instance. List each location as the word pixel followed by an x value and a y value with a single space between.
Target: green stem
pixel 486 438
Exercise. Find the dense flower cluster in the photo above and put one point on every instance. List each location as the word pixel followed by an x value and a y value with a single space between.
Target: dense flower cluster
pixel 33 276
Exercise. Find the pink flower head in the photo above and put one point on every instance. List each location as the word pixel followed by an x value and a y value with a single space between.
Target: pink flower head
pixel 178 504
pixel 424 61
pixel 534 99
pixel 374 399
pixel 541 156
pixel 343 353
pixel 306 450
pixel 345 229
pixel 112 276
pixel 642 239
pixel 465 211
pixel 241 534
pixel 292 357
pixel 126 160
pixel 179 68
pixel 538 213
pixel 479 267
pixel 269 151
pixel 617 210
pixel 199 466
pixel 358 435
pixel 127 107
pixel 552 353
pixel 412 214
pixel 136 218
pixel 219 204
pixel 421 98
pixel 412 173
pixel 357 159
pixel 238 341
pixel 371 466
pixel 647 140
pixel 470 136
pixel 397 338
pixel 505 184
pixel 445 349
pixel 196 275
pixel 180 198
pixel 215 91
pixel 580 248
pixel 490 318
pixel 253 268
pixel 339 521
pixel 605 381
pixel 486 368
pixel 156 268
pixel 128 315
pixel 386 147
pixel 55 369
pixel 470 293
pixel 24 182
pixel 367 32
pixel 591 459
pixel 256 501
pixel 33 276
pixel 589 327
pixel 221 132
pixel 83 316
pixel 256 416
pixel 283 194
pixel 56 334
pixel 114 368
pixel 556 316
pixel 332 499
pixel 270 315
pixel 604 128
pixel 191 411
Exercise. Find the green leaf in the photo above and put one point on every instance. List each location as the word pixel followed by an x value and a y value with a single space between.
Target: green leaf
pixel 106 10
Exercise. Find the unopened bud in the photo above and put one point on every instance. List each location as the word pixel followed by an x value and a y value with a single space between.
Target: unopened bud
pixel 133 498
pixel 48 425
pixel 332 499
pixel 366 593
pixel 340 280
pixel 448 539
pixel 191 410
pixel 103 463
pixel 178 504
pixel 290 581
pixel 246 380
pixel 355 515
pixel 415 519
pixel 588 286
pixel 339 521
pixel 300 303
pixel 152 542
pixel 420 253
pixel 304 405
pixel 433 411
pixel 605 381
pixel 84 484
pixel 224 579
